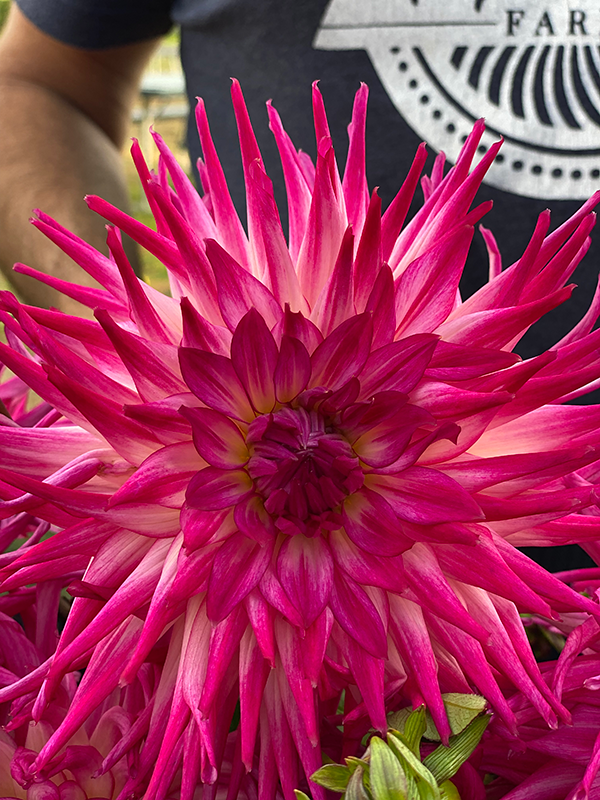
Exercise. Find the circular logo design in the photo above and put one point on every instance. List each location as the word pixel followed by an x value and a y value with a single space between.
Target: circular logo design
pixel 532 70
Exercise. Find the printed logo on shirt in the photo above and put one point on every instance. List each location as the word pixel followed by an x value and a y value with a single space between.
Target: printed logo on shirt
pixel 532 69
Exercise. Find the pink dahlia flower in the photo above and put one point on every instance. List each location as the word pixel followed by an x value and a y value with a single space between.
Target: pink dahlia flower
pixel 305 473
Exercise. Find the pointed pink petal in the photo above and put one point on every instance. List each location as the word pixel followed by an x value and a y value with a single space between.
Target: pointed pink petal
pixel 212 489
pixel 393 219
pixel 143 312
pixel 130 439
pixel 212 378
pixel 425 496
pixel 334 304
pixel 218 440
pixel 254 357
pixel 426 290
pixel 327 223
pixel 343 353
pixel 252 518
pixel 383 444
pixel 96 264
pixel 254 671
pixel 368 260
pixel 229 227
pixel 357 615
pixel 154 369
pixel 398 366
pixel 372 524
pixel 293 369
pixel 238 567
pixel 296 325
pixel 202 334
pixel 356 192
pixel 297 188
pixel 381 305
pixel 412 638
pixel 305 569
pixel 239 290
pixel 195 210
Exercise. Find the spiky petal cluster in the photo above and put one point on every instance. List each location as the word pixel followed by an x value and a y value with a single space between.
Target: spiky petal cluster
pixel 306 471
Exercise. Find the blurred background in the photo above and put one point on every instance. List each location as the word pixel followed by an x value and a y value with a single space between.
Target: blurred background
pixel 161 103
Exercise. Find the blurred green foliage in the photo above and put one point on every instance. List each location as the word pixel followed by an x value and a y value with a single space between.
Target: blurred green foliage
pixel 4 6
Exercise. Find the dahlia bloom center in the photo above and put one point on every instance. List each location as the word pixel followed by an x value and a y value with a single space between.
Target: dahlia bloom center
pixel 301 466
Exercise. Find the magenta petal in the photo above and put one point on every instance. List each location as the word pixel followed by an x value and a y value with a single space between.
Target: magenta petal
pixel 254 671
pixel 218 440
pixel 425 496
pixel 293 369
pixel 305 569
pixel 212 488
pixel 343 353
pixel 372 525
pixel 254 357
pixel 253 519
pixel 199 527
pixel 238 290
pixel 398 366
pixel 383 444
pixel 238 567
pixel 357 615
pixel 212 378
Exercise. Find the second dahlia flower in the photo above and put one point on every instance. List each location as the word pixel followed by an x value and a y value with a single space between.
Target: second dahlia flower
pixel 302 477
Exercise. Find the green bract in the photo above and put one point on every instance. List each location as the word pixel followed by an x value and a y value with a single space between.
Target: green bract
pixel 394 770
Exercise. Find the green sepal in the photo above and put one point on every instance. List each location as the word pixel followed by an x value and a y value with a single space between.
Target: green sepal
pixel 332 776
pixel 444 762
pixel 461 710
pixel 300 795
pixel 426 782
pixel 387 778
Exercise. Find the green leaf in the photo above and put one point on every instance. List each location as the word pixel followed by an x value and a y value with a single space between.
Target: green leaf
pixel 332 776
pixel 355 789
pixel 414 728
pixel 354 763
pixel 449 791
pixel 387 778
pixel 461 710
pixel 426 782
pixel 300 795
pixel 444 762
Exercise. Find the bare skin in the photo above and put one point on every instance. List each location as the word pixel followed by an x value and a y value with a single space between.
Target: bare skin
pixel 63 121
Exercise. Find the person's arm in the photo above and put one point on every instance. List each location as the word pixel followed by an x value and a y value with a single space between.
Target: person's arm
pixel 63 120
